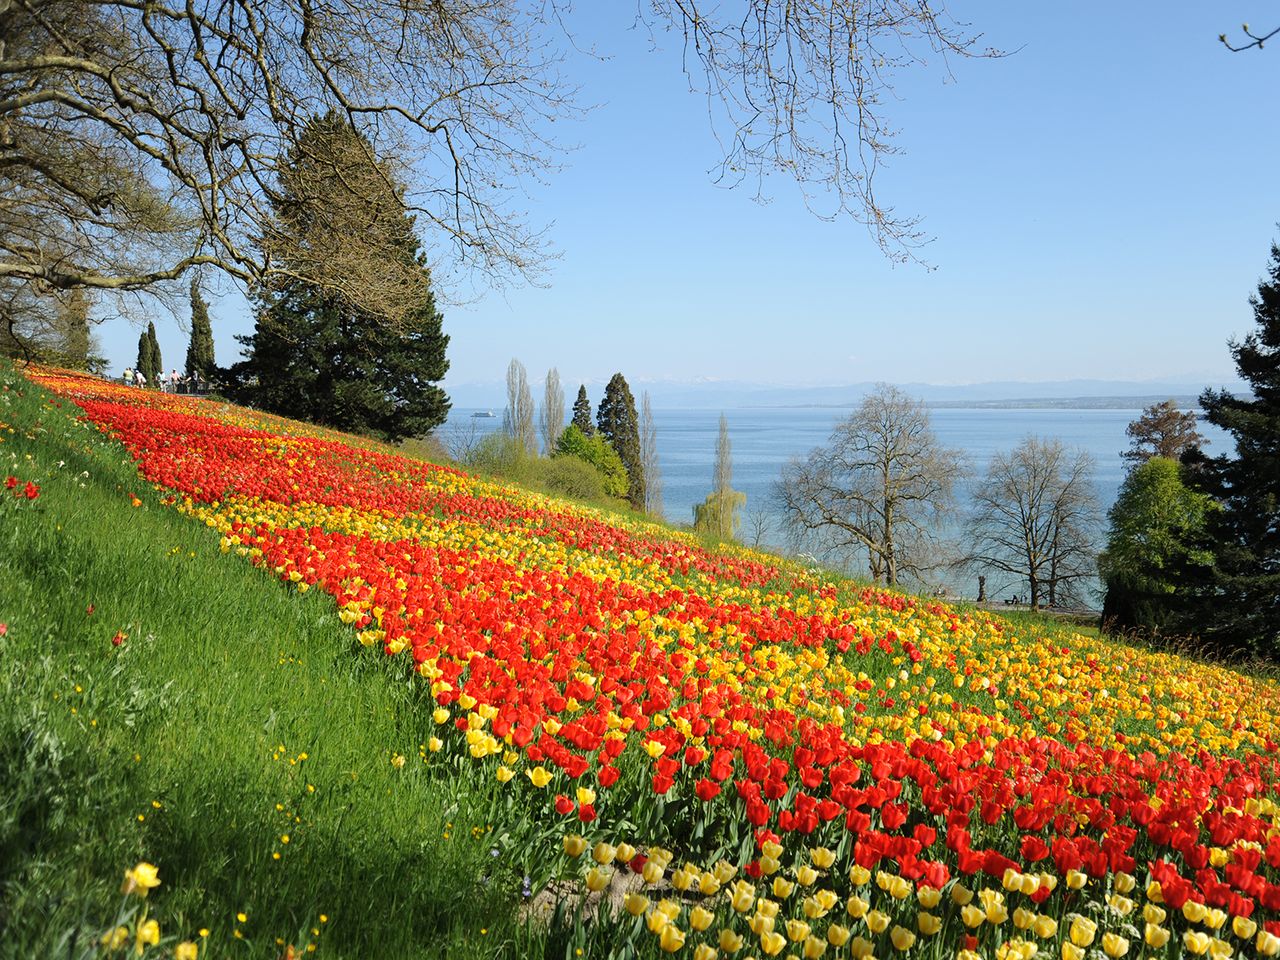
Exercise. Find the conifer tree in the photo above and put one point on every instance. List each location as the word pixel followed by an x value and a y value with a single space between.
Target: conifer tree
pixel 582 413
pixel 149 360
pixel 314 355
pixel 1238 608
pixel 200 357
pixel 157 361
pixel 620 426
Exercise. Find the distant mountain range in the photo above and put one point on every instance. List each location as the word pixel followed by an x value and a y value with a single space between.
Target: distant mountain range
pixel 732 394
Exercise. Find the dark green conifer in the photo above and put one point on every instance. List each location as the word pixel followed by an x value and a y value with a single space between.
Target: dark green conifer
pixel 200 357
pixel 620 425
pixel 582 413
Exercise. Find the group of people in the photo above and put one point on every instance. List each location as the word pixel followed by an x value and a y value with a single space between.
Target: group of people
pixel 174 382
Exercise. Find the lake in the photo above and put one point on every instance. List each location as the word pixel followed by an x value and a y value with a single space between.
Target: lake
pixel 766 438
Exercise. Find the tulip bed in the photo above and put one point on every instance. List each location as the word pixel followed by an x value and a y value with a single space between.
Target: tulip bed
pixel 737 756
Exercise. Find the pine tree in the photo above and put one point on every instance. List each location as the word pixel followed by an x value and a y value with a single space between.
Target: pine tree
pixel 620 426
pixel 149 360
pixel 1162 431
pixel 313 355
pixel 157 361
pixel 200 357
pixel 582 413
pixel 144 354
pixel 1238 608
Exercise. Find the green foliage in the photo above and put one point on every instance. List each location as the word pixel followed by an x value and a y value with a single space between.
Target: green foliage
pixel 1155 543
pixel 503 457
pixel 596 451
pixel 582 412
pixel 1235 609
pixel 166 748
pixel 619 424
pixel 200 357
pixel 719 514
pixel 150 364
pixel 314 356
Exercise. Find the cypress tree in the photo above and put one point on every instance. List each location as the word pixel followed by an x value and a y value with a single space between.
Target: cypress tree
pixel 144 355
pixel 200 357
pixel 582 413
pixel 1239 606
pixel 157 362
pixel 149 361
pixel 313 355
pixel 620 426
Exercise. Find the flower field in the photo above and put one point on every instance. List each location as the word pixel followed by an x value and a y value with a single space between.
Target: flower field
pixel 724 754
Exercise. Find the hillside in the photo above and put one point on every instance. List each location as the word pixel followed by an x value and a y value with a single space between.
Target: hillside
pixel 465 718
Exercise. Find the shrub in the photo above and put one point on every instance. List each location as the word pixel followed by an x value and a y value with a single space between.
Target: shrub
pixel 596 451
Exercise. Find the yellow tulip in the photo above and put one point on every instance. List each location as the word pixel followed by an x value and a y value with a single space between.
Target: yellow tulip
pixel 624 853
pixel 1044 927
pixel 1071 952
pixel 148 934
pixel 704 951
pixel 1082 930
pixel 744 895
pixel 771 849
pixel 961 894
pixel 822 857
pixel 1194 912
pixel 1214 918
pixel 1023 918
pixel 598 878
pixel 603 853
pixel 814 948
pixel 806 876
pixel 1243 927
pixel 1124 882
pixel 440 715
pixel 1154 893
pixel 1267 944
pixel 899 888
pixel 968 955
pixel 1155 935
pixel 708 884
pixel 1219 949
pixel 142 879
pixel 878 922
pixel 837 935
pixel 682 879
pixel 856 907
pixel 1196 942
pixel 797 930
pixel 539 776
pixel 505 773
pixel 972 916
pixel 671 938
pixel 760 924
pixel 730 942
pixel 1012 879
pixel 769 865
pixel 651 872
pixel 1114 945
pixel 724 870
pixel 434 744
pixel 586 795
pixel 186 950
pixel 115 939
pixel 636 904
pixel 782 887
pixel 1153 914
pixel 767 908
pixel 860 948
pixel 1121 905
pixel 902 938
pixel 668 908
pixel 700 918
pixel 772 943
pixel 859 875
pixel 1076 880
pixel 929 897
pixel 928 923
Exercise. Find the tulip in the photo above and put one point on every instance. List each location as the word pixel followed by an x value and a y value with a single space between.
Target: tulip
pixel 708 885
pixel 822 857
pixel 902 938
pixel 1196 942
pixel 574 845
pixel 668 908
pixel 624 853
pixel 860 948
pixel 877 922
pixel 115 939
pixel 859 875
pixel 1076 880
pixel 651 872
pixel 587 795
pixel 772 943
pixel 1214 918
pixel 782 887
pixel 539 776
pixel 148 934
pixel 724 870
pixel 598 878
pixel 929 897
pixel 856 907
pixel 1023 918
pixel 636 904
pixel 769 865
pixel 730 942
pixel 141 880
pixel 1219 949
pixel 961 894
pixel 434 744
pixel 744 896
pixel 1267 944
pixel 1044 927
pixel 837 935
pixel 928 923
pixel 1153 914
pixel 700 918
pixel 603 853
pixel 186 950
pixel 1123 882
pixel 972 916
pixel 1114 945
pixel 1243 927
pixel 704 951
pixel 1121 905
pixel 806 876
pixel 767 908
pixel 760 924
pixel 1071 952
pixel 671 938
pixel 1193 911
pixel 1082 930
pixel 505 773
pixel 797 930
pixel 814 948
pixel 1155 935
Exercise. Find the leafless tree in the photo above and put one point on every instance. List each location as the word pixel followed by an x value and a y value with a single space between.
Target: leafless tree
pixel 141 139
pixel 1035 517
pixel 759 524
pixel 1252 39
pixel 649 458
pixel 880 486
pixel 517 418
pixel 1162 431
pixel 552 416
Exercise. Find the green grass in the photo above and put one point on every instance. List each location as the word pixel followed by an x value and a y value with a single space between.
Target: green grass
pixel 183 745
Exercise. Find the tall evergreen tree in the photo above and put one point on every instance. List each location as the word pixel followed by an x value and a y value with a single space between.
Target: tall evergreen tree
pixel 620 425
pixel 75 341
pixel 1239 607
pixel 200 357
pixel 149 361
pixel 582 413
pixel 157 361
pixel 313 354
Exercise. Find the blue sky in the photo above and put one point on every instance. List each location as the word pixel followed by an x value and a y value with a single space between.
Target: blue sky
pixel 1102 202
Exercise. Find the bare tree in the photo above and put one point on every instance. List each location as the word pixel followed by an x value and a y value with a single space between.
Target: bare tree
pixel 880 486
pixel 1035 517
pixel 649 458
pixel 141 139
pixel 1252 39
pixel 759 524
pixel 552 417
pixel 517 419
pixel 1162 431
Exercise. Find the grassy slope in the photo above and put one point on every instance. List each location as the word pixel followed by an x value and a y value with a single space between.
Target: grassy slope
pixel 167 747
